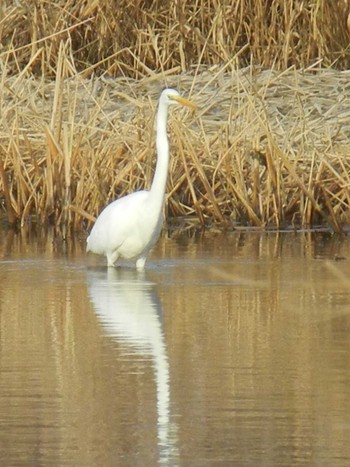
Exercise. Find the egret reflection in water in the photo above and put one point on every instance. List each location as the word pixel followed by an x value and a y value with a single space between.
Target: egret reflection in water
pixel 129 310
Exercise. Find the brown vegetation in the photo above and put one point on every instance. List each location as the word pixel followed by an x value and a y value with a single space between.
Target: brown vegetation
pixel 268 145
pixel 136 38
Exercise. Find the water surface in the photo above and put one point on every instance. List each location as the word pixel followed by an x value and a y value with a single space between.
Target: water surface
pixel 229 350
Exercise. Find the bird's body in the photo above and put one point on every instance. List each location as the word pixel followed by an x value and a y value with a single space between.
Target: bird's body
pixel 126 228
pixel 130 226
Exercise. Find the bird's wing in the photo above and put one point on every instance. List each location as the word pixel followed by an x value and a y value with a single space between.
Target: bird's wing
pixel 115 223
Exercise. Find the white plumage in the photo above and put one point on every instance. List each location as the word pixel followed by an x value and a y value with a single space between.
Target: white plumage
pixel 130 226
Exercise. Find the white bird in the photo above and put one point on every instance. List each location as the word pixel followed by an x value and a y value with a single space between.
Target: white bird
pixel 130 226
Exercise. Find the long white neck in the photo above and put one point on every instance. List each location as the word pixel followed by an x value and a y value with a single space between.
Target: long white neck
pixel 157 190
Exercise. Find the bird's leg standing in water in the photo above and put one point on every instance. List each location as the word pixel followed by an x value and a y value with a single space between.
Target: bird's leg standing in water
pixel 112 258
pixel 140 263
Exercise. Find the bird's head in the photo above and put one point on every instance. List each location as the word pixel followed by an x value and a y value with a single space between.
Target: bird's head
pixel 171 97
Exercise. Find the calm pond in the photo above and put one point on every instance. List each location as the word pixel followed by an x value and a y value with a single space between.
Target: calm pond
pixel 230 349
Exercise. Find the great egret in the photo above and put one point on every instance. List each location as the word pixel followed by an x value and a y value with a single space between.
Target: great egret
pixel 130 226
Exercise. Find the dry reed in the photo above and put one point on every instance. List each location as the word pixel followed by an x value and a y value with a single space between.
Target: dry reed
pixel 267 146
pixel 141 37
pixel 264 148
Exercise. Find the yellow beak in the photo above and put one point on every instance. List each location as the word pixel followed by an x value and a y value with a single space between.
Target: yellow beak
pixel 183 101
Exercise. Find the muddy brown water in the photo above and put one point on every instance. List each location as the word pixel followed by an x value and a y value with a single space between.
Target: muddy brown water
pixel 229 350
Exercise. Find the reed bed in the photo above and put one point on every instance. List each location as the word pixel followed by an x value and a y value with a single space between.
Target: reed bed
pixel 267 147
pixel 264 148
pixel 134 38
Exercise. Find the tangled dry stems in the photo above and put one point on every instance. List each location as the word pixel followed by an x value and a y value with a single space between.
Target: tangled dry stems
pixel 267 146
pixel 136 38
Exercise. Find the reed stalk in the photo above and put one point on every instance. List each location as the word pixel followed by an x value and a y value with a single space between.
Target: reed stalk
pixel 267 147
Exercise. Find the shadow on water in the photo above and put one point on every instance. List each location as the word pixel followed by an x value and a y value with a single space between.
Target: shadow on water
pixel 128 308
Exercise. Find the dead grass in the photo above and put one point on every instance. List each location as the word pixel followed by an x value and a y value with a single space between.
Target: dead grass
pixel 265 148
pixel 139 38
pixel 268 145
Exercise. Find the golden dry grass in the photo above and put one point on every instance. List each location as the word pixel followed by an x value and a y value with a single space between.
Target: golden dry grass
pixel 268 145
pixel 134 38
